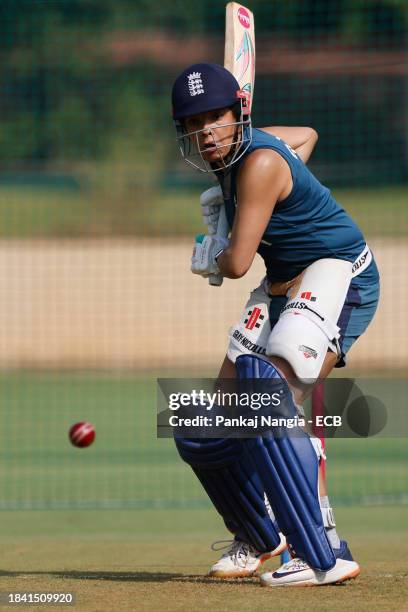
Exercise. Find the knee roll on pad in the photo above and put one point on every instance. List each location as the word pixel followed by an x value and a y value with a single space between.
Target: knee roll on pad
pixel 288 468
pixel 307 326
pixel 229 476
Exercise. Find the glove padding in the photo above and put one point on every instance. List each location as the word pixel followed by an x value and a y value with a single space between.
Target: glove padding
pixel 211 200
pixel 205 249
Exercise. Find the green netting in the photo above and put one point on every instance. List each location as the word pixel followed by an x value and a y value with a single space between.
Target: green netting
pixel 95 204
pixel 85 96
pixel 127 466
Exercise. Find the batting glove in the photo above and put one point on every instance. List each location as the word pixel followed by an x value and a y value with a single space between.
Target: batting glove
pixel 211 200
pixel 206 249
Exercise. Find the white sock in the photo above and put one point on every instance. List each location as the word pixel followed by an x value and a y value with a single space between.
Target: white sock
pixel 329 522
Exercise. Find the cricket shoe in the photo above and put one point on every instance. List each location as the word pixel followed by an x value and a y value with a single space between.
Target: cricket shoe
pixel 298 573
pixel 241 560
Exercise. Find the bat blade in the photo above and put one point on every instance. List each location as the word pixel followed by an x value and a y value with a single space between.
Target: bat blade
pixel 239 59
pixel 239 52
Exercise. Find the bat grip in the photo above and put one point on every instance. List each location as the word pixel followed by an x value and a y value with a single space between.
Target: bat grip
pixel 216 280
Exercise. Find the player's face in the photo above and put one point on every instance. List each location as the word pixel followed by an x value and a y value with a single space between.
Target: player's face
pixel 213 133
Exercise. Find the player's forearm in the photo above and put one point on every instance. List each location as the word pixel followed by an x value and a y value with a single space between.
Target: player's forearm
pixel 305 150
pixel 300 139
pixel 232 266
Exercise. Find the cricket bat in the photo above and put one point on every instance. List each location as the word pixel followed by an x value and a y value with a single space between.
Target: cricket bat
pixel 239 59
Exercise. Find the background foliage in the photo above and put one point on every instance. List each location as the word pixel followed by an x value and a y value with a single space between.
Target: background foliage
pixel 85 104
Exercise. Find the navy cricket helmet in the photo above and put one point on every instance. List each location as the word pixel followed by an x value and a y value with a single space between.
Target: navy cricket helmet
pixel 201 88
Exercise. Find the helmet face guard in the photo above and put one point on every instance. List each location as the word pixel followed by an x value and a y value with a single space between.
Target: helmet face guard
pixel 193 155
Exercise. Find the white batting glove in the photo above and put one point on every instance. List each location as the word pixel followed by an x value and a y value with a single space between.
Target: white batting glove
pixel 206 248
pixel 211 200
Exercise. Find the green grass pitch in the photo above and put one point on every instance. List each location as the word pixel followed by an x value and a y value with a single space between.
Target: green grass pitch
pixel 125 526
pixel 158 559
pixel 40 212
pixel 127 466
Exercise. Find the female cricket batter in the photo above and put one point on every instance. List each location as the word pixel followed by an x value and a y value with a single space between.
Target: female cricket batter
pixel 319 268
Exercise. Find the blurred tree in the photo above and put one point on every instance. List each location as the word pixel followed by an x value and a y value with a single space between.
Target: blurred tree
pixel 378 23
pixel 65 98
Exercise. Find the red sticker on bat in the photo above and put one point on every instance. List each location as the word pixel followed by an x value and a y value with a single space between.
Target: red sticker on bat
pixel 244 18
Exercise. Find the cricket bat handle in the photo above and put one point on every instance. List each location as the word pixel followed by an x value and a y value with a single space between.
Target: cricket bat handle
pixel 216 280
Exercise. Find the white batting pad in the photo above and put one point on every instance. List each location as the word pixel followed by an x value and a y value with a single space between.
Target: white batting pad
pixel 307 325
pixel 250 335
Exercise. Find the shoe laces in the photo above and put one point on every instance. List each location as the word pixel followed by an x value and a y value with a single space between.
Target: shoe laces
pixel 237 550
pixel 224 544
pixel 295 564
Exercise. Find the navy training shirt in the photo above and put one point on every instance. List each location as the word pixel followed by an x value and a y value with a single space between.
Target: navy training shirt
pixel 306 226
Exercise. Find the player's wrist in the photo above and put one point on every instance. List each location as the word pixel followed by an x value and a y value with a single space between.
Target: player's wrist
pixel 216 258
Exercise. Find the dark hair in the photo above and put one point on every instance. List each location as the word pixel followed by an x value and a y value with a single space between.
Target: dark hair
pixel 236 109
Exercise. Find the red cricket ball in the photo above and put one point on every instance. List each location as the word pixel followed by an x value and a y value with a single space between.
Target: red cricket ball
pixel 82 434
